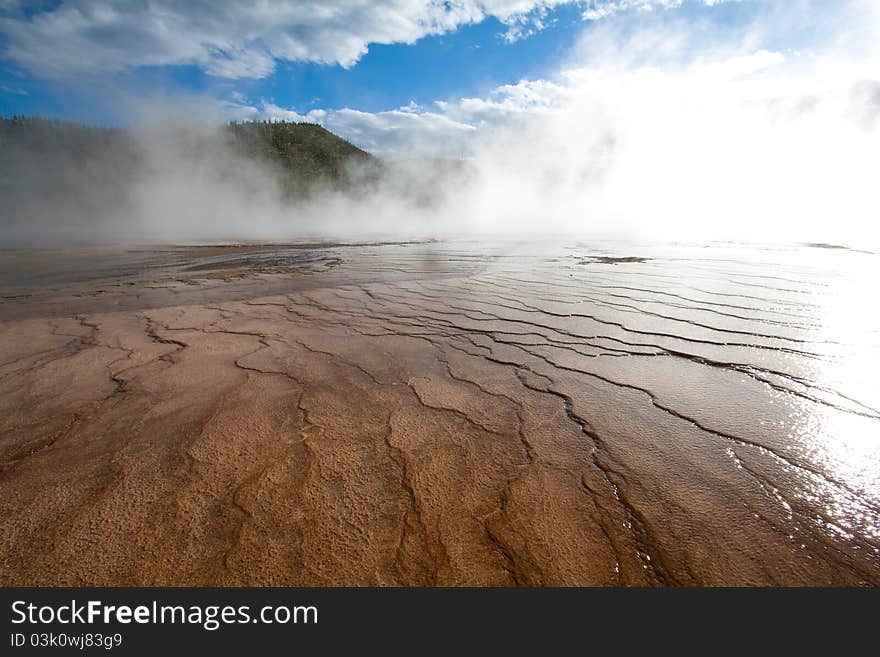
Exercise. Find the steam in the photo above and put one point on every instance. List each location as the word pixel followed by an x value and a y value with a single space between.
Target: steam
pixel 651 131
pixel 652 134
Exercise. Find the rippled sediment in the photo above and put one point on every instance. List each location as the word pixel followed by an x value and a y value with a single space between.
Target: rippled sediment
pixel 440 413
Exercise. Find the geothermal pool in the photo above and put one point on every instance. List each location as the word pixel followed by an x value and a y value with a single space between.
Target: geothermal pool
pixel 440 413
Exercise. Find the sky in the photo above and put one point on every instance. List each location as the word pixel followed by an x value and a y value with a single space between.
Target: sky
pixel 369 69
pixel 698 111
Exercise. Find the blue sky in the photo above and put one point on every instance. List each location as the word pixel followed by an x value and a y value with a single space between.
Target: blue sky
pixel 705 115
pixel 468 59
pixel 390 75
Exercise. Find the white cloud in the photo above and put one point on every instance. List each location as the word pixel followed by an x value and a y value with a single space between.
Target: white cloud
pixel 724 138
pixel 651 129
pixel 446 129
pixel 16 91
pixel 406 131
pixel 233 39
pixel 228 38
pixel 599 10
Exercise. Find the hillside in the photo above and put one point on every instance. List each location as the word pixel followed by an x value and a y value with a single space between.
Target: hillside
pixel 308 152
pixel 66 181
pixel 304 155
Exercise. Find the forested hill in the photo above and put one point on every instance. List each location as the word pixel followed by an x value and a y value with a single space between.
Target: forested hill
pixel 42 135
pixel 302 154
pixel 306 149
pixel 65 181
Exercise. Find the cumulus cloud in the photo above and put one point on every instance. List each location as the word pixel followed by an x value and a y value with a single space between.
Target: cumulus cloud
pixel 658 130
pixel 652 128
pixel 227 38
pixel 599 10
pixel 244 40
pixel 410 130
pixel 445 129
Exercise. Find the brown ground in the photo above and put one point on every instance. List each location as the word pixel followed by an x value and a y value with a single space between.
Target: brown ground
pixel 367 417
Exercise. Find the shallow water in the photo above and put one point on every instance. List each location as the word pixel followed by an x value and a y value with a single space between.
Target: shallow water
pixel 532 413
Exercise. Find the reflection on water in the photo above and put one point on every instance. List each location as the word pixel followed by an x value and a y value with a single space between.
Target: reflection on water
pixel 847 444
pixel 721 377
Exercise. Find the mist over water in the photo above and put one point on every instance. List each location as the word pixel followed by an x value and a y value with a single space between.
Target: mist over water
pixel 603 370
pixel 645 134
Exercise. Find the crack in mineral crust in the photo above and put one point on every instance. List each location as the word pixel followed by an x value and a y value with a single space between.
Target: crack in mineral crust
pixel 373 421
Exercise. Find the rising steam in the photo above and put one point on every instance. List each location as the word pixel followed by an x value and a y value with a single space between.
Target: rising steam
pixel 647 134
